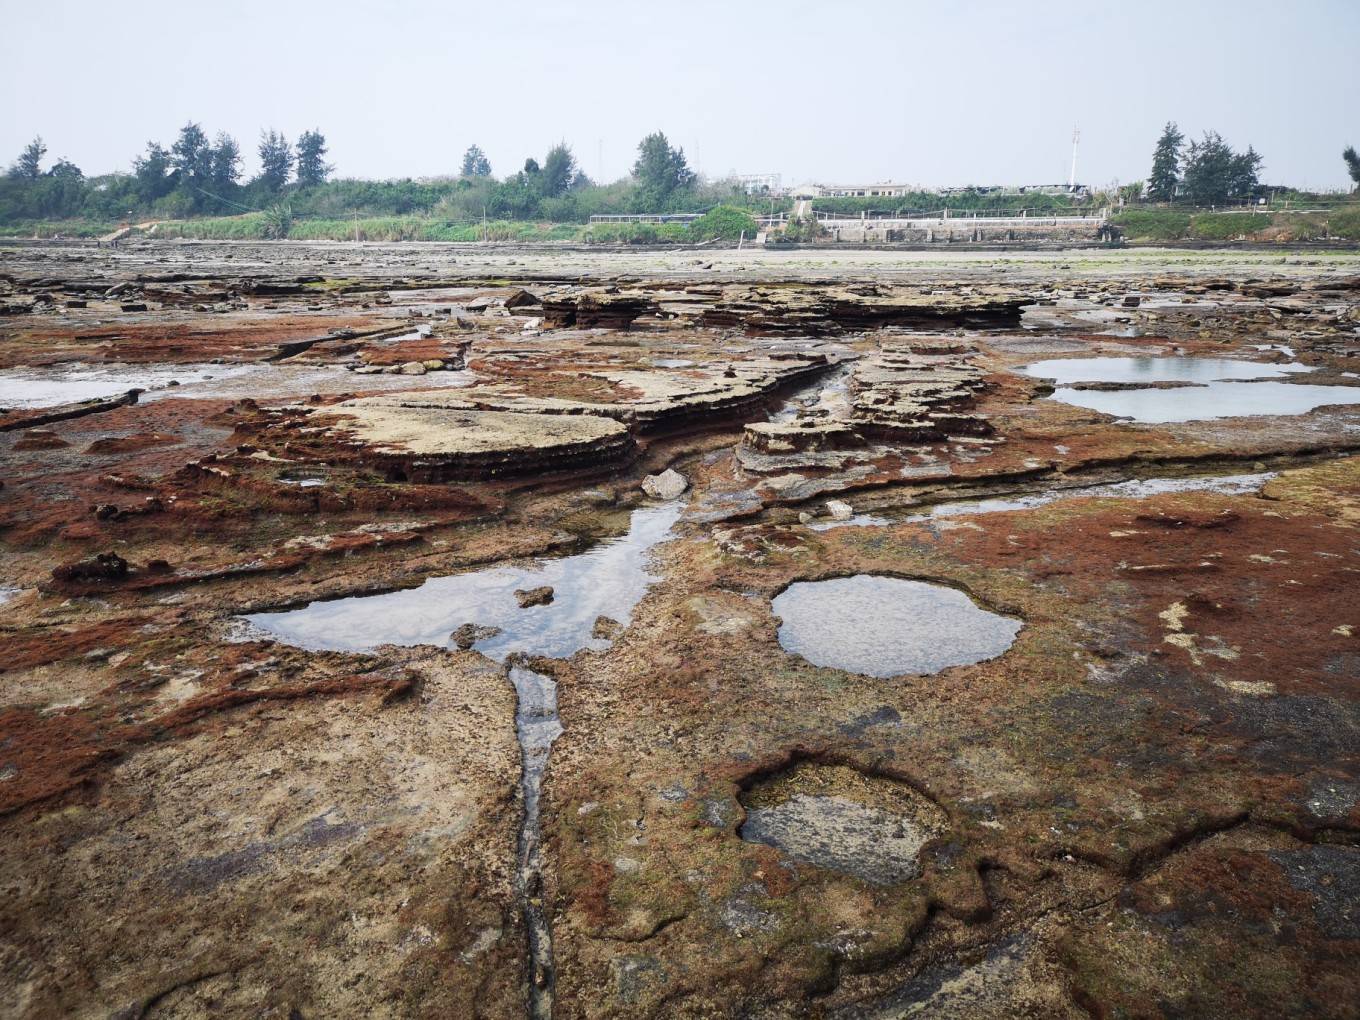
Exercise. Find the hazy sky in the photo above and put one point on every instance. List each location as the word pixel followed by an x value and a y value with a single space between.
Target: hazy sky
pixel 848 91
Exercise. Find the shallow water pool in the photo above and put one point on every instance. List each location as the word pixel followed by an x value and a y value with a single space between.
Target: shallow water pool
pixel 888 626
pixel 608 579
pixel 1218 389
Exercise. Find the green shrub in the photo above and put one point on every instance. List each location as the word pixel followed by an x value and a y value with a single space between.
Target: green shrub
pixel 637 233
pixel 1345 224
pixel 278 221
pixel 723 223
pixel 802 232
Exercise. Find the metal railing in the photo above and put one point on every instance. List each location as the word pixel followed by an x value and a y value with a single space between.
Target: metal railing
pixel 976 218
pixel 960 214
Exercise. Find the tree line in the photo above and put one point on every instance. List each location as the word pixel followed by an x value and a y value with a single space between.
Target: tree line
pixel 199 175
pixel 1209 172
pixel 194 175
pixel 558 189
pixel 1206 172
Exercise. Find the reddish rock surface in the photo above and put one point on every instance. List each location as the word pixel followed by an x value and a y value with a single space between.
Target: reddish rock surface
pixel 1148 806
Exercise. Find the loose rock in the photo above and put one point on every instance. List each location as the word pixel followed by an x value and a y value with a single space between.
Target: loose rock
pixel 470 633
pixel 527 597
pixel 670 484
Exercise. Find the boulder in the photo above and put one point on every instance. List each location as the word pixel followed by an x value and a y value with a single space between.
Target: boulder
pixel 670 484
pixel 839 510
pixel 522 299
pixel 413 368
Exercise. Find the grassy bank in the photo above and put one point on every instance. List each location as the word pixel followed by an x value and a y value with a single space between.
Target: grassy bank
pixel 252 227
pixel 1172 225
pixel 721 223
pixel 57 228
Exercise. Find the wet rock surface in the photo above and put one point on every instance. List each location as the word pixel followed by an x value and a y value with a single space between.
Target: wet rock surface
pixel 836 818
pixel 633 801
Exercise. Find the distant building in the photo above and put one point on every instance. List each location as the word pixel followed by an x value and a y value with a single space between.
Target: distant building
pixel 890 189
pixel 884 190
pixel 759 184
pixel 1079 190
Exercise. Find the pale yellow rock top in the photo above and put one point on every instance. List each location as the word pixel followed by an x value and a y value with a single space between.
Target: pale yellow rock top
pixel 433 431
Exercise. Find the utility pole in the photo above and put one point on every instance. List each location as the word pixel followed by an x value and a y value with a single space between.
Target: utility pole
pixel 1072 177
pixel 356 226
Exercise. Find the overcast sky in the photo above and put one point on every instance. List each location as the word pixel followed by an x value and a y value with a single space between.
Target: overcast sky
pixel 847 91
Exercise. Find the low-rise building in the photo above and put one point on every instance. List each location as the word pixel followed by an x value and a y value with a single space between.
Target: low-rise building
pixel 884 190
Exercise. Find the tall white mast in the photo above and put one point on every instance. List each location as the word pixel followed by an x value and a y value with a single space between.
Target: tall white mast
pixel 1072 177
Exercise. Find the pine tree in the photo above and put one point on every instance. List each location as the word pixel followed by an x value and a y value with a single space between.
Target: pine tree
pixel 225 162
pixel 153 173
pixel 312 168
pixel 1215 174
pixel 559 171
pixel 475 163
pixel 276 160
pixel 1352 163
pixel 1166 160
pixel 65 170
pixel 660 171
pixel 191 155
pixel 1246 174
pixel 29 163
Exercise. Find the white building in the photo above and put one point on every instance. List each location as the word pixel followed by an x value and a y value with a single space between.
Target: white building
pixel 884 190
pixel 758 184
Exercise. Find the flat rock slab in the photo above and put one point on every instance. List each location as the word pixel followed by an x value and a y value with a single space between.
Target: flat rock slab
pixel 433 444
pixel 436 431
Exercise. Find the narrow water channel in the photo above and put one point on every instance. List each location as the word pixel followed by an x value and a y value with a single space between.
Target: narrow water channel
pixel 829 392
pixel 607 580
pixel 1133 488
pixel 538 725
pixel 54 385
